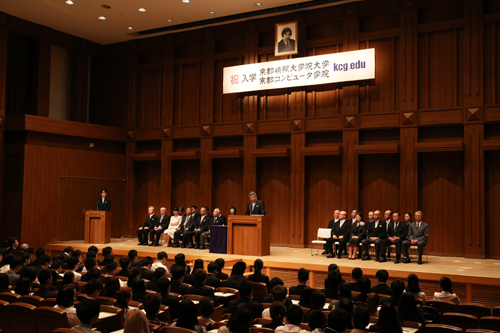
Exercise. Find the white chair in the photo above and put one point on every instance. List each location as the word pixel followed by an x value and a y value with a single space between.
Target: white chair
pixel 323 233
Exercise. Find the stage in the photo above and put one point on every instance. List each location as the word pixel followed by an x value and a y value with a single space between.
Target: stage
pixel 476 280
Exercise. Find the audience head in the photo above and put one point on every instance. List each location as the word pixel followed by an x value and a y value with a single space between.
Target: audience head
pixel 23 287
pixel 92 248
pixel 316 320
pixel 152 304
pixel 388 317
pixel 338 320
pixel 111 268
pixel 94 288
pixel 241 320
pixel 112 286
pixel 333 267
pixel 124 262
pixel 220 264
pixel 275 281
pixel 93 273
pixel 305 297
pixel 360 318
pixel 239 268
pixel 357 273
pixel 334 279
pixel 277 311
pixel 136 322
pixel 245 289
pixel 206 307
pixel 68 277
pixel 177 272
pixel 12 242
pixel 29 272
pixel 16 263
pixel 78 255
pixel 90 263
pixel 88 311
pixel 65 296
pixel 258 265
pixel 407 307
pixel 212 268
pixel 198 263
pixel 303 275
pixel 57 265
pixel 445 284
pixel 294 315
pixel 278 293
pixel 318 300
pixel 397 288
pixel 69 250
pixel 382 275
pixel 45 278
pixel 132 255
pixel 107 251
pixel 345 291
pixel 163 285
pixel 413 285
pixel 200 276
pixel 138 290
pixel 372 302
pixel 346 305
pixel 73 263
pixel 162 255
pixel 123 298
pixel 364 285
pixel 187 315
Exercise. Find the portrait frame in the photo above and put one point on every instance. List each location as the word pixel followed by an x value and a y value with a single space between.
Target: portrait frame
pixel 293 26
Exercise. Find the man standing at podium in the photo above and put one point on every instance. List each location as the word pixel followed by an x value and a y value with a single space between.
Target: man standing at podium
pixel 103 203
pixel 255 207
pixel 150 223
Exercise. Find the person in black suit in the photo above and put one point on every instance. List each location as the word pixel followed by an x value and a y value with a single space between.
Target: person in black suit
pixel 103 203
pixel 237 276
pixel 357 235
pixel 388 220
pixel 340 233
pixel 157 230
pixel 331 225
pixel 246 291
pixel 417 235
pixel 212 279
pixel 206 220
pixel 193 211
pixel 180 231
pixel 382 287
pixel 332 289
pixel 286 44
pixel 218 219
pixel 199 288
pixel 375 234
pixel 150 223
pixel 166 299
pixel 397 233
pixel 192 223
pixel 257 275
pixel 176 285
pixel 146 272
pixel 220 265
pixel 254 206
pixel 303 277
pixel 45 280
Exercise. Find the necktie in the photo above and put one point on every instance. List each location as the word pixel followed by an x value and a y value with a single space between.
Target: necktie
pixel 418 225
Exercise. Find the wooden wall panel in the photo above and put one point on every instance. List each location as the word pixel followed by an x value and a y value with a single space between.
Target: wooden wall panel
pixel 323 192
pixel 379 179
pixel 185 183
pixel 147 190
pixel 492 198
pixel 228 185
pixel 491 60
pixel 187 94
pixel 149 101
pixel 273 186
pixel 43 168
pixel 441 199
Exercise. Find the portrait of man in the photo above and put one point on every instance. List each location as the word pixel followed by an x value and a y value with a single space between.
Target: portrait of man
pixel 286 38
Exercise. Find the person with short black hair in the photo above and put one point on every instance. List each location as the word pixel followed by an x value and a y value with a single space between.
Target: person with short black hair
pixel 12 245
pixel 364 285
pixel 294 316
pixel 344 292
pixel 125 265
pixel 103 203
pixel 303 277
pixel 16 264
pixel 152 305
pixel 316 321
pixel 88 313
pixel 237 276
pixel 334 279
pixel 239 322
pixel 132 255
pixel 64 301
pixel 68 277
pixel 246 297
pixel 360 319
pixel 356 274
pixel 188 318
pixel 73 265
pixel 446 293
pixel 397 288
pixel 45 280
pixel 94 288
pixel 278 294
pixel 166 299
pixel 68 250
pixel 382 287
pixel 161 262
pixel 220 265
pixel 212 279
pixel 153 284
pixel 176 285
pixel 206 309
pixel 198 288
pixel 387 320
pixel 110 271
pixel 338 321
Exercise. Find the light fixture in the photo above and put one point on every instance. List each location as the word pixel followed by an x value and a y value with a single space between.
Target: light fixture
pixel 211 13
pixel 142 9
pixel 258 4
pixel 69 2
pixel 186 1
pixel 130 28
pixel 101 18
pixel 168 21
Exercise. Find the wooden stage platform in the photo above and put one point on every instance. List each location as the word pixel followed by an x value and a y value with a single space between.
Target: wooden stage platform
pixel 474 280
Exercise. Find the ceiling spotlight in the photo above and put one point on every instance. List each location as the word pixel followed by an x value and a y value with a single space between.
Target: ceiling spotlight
pixel 69 2
pixel 102 18
pixel 186 1
pixel 130 28
pixel 168 21
pixel 211 13
pixel 142 9
pixel 258 4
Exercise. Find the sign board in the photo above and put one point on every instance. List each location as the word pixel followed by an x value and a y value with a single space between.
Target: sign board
pixel 297 72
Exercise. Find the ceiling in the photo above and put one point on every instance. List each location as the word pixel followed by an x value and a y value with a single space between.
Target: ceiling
pixel 82 17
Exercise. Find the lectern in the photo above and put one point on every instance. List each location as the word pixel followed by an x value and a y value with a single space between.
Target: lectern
pixel 248 235
pixel 97 227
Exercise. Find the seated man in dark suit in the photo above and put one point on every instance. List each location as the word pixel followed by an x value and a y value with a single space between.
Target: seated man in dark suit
pixel 397 289
pixel 246 296
pixel 340 233
pixel 206 220
pixel 218 219
pixel 176 285
pixel 166 299
pixel 331 225
pixel 417 235
pixel 159 229
pixel 153 284
pixel 125 265
pixel 92 274
pixel 356 274
pixel 237 276
pixel 110 271
pixel 147 226
pixel 376 234
pixel 212 279
pixel 397 233
pixel 303 276
pixel 56 268
pixel 334 280
pixel 220 265
pixel 45 280
pixel 146 272
pixel 275 281
pixel 199 288
pixel 382 287
pixel 255 207
pixel 364 285
pixel 192 222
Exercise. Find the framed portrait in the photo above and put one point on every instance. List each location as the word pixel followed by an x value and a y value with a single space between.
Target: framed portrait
pixel 285 41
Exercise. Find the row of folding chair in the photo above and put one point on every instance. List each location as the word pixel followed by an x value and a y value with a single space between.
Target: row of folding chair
pixel 475 309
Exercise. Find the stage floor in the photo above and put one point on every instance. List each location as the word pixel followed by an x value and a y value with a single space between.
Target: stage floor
pixel 458 268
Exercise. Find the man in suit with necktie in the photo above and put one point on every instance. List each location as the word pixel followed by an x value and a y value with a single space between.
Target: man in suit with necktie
pixel 180 230
pixel 150 223
pixel 206 220
pixel 397 233
pixel 157 231
pixel 218 219
pixel 331 225
pixel 376 233
pixel 254 206
pixel 417 235
pixel 103 203
pixel 340 233
pixel 189 228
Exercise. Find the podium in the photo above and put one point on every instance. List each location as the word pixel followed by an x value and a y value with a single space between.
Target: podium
pixel 248 235
pixel 97 227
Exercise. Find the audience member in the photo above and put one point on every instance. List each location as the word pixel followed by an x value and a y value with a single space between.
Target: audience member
pixel 382 287
pixel 161 262
pixel 239 322
pixel 73 264
pixel 158 274
pixel 111 287
pixel 69 277
pixel 206 309
pixel 152 305
pixel 278 294
pixel 397 288
pixel 257 275
pixel 212 279
pixel 294 316
pixel 246 297
pixel 408 309
pixel 237 276
pixel 356 274
pixel 360 319
pixel 110 271
pixel 135 273
pixel 176 285
pixel 220 265
pixel 364 285
pixel 332 286
pixel 446 293
pixel 125 265
pixel 187 317
pixel 45 280
pixel 64 301
pixel 123 299
pixel 16 264
pixel 338 321
pixel 276 312
pixel 138 290
pixel 198 288
pixel 4 283
pixel 387 320
pixel 372 304
pixel 88 313
pixel 136 322
pixel 303 277
pixel 166 299
pixel 316 321
pixel 132 256
pixel 94 288
pixel 414 288
pixel 344 292
pixel 23 287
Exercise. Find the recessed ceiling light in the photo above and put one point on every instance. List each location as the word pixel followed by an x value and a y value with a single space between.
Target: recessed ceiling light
pixel 130 28
pixel 258 4
pixel 102 18
pixel 69 2
pixel 142 9
pixel 168 21
pixel 186 1
pixel 211 13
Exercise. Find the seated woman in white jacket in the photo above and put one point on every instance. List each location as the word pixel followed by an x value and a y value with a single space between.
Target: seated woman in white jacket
pixel 446 294
pixel 175 222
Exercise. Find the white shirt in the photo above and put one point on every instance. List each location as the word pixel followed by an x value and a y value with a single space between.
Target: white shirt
pixel 446 296
pixel 71 313
pixel 103 200
pixel 156 265
pixel 341 223
pixel 5 269
pixel 289 328
pixel 253 205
